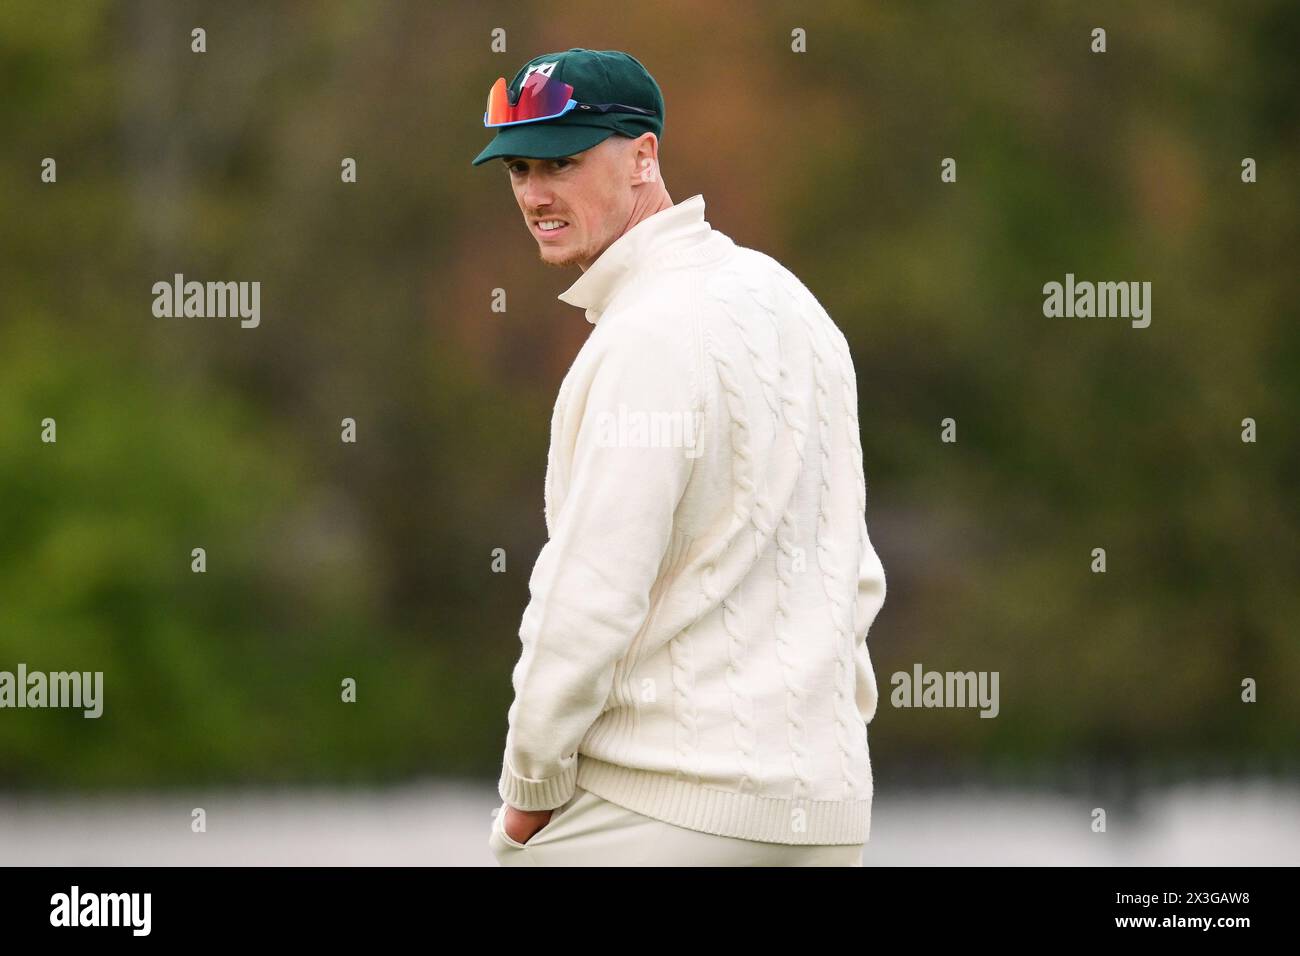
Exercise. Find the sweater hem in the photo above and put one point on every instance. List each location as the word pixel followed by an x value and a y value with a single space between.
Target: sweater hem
pixel 746 816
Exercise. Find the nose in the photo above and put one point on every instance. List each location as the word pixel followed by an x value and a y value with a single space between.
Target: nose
pixel 536 194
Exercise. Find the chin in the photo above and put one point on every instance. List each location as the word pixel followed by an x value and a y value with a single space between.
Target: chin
pixel 560 258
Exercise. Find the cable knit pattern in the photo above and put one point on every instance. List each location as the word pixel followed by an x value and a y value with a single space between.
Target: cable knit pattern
pixel 832 573
pixel 686 741
pixel 785 537
pixel 760 364
pixel 694 646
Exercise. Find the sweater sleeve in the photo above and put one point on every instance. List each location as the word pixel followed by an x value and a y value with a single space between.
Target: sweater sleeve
pixel 871 597
pixel 590 587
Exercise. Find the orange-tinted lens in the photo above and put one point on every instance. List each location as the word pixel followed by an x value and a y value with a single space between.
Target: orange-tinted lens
pixel 540 98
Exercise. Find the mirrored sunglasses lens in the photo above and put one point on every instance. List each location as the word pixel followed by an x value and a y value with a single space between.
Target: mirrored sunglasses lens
pixel 541 98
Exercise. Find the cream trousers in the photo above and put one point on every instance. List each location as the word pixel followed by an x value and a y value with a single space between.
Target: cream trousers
pixel 590 831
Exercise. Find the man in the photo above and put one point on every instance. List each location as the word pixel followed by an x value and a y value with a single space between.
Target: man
pixel 694 686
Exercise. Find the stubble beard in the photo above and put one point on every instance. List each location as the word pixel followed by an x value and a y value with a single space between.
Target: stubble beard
pixel 571 258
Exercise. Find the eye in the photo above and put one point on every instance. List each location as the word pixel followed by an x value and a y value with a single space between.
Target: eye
pixel 560 163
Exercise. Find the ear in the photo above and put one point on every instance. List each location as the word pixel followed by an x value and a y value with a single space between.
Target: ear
pixel 647 144
pixel 645 157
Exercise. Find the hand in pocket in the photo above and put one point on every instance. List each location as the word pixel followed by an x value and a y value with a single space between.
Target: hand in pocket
pixel 521 825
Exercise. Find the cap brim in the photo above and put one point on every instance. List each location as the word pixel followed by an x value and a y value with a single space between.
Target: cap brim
pixel 542 141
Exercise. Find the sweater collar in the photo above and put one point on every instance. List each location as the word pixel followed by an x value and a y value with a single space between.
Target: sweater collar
pixel 670 232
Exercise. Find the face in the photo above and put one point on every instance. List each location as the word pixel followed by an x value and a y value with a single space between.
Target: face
pixel 589 192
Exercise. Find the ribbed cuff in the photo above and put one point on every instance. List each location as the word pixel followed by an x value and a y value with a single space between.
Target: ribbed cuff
pixel 525 794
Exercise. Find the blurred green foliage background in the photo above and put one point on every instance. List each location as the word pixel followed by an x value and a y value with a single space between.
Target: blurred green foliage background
pixel 328 560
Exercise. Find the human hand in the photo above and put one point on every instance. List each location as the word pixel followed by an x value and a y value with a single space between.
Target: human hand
pixel 520 825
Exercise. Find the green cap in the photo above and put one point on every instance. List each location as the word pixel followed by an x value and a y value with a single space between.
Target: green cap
pixel 597 76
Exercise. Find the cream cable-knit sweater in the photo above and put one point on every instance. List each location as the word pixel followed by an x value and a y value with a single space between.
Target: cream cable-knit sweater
pixel 695 644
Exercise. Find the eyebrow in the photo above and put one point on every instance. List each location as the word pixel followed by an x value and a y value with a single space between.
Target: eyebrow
pixel 507 160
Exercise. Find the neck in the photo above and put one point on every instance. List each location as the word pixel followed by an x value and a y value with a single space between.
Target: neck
pixel 642 208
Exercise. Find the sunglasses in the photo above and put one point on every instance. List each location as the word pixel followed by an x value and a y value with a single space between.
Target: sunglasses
pixel 542 98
